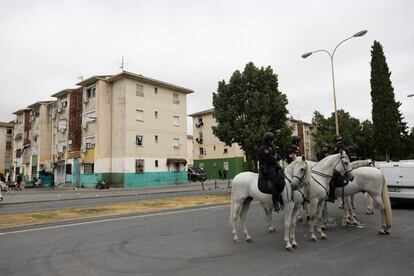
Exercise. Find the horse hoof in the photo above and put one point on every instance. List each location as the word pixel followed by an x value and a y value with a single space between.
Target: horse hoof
pixel 313 238
pixel 294 245
pixel 355 223
pixel 323 227
pixel 387 232
pixel 249 240
pixel 381 232
pixel 236 241
pixel 289 248
pixel 272 229
pixel 324 237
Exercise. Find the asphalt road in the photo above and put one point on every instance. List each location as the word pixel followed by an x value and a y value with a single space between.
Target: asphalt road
pixel 199 242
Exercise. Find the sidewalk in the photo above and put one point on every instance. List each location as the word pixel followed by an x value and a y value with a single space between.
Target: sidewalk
pixel 58 194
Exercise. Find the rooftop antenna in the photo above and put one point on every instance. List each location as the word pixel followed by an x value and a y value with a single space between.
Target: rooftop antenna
pixel 80 77
pixel 122 64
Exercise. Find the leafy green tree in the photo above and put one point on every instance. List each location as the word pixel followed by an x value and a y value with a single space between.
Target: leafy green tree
pixel 385 115
pixel 248 106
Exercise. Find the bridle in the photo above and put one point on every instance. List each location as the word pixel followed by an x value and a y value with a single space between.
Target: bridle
pixel 298 187
pixel 327 175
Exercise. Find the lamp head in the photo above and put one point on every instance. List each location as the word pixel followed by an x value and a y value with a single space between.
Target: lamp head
pixel 306 54
pixel 361 33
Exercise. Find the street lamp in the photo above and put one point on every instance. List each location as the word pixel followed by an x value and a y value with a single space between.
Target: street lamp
pixel 358 34
pixel 411 95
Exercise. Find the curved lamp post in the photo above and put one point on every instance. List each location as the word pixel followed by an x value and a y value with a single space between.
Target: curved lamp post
pixel 358 34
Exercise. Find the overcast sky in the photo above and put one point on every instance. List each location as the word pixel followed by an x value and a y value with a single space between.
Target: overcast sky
pixel 46 45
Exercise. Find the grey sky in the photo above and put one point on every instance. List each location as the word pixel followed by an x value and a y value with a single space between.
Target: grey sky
pixel 46 45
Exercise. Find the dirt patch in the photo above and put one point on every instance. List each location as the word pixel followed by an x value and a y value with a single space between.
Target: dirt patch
pixel 38 217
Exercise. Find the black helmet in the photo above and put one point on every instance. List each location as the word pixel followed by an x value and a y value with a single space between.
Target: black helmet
pixel 338 138
pixel 296 140
pixel 324 145
pixel 268 138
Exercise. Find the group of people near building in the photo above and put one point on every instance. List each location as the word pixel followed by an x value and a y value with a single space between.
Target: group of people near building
pixel 270 170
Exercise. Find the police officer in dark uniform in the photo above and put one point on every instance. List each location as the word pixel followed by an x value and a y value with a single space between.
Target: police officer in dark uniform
pixel 323 151
pixel 294 150
pixel 269 169
pixel 337 179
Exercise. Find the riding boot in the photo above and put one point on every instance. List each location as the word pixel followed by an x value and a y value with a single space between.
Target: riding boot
pixel 331 196
pixel 275 199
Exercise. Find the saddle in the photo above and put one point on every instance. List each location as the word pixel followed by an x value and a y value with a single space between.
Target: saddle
pixel 339 181
pixel 266 186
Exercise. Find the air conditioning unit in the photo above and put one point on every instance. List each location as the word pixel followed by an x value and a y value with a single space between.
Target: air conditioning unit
pixel 59 109
pixel 85 100
pixel 83 149
pixel 85 125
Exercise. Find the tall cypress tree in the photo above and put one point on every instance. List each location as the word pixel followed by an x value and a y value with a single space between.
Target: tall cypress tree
pixel 385 114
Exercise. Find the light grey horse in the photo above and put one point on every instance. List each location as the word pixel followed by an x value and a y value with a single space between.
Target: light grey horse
pixel 244 190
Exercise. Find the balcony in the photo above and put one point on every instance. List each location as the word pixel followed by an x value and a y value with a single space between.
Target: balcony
pixel 199 140
pixel 18 136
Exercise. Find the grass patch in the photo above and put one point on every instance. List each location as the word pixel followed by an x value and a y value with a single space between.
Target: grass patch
pixel 21 219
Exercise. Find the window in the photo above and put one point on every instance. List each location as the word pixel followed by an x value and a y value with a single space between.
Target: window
pixel 138 140
pixel 91 92
pixel 9 131
pixel 139 165
pixel 68 168
pixel 140 115
pixel 90 117
pixel 8 145
pixel 176 143
pixel 156 163
pixel 90 142
pixel 176 120
pixel 64 103
pixel 62 125
pixel 88 168
pixel 156 114
pixel 140 90
pixel 61 147
pixel 214 147
pixel 156 90
pixel 18 153
pixel 156 138
pixel 226 166
pixel 201 150
pixel 226 150
pixel 175 98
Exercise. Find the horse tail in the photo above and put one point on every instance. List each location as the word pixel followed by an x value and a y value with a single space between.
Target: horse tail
pixel 232 203
pixel 386 201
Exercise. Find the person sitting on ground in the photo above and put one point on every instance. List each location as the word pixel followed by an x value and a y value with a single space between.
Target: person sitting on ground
pixel 270 170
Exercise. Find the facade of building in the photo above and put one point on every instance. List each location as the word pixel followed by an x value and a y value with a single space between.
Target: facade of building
pixel 21 145
pixel 66 119
pixel 215 157
pixel 39 138
pixel 190 151
pixel 6 148
pixel 211 154
pixel 133 131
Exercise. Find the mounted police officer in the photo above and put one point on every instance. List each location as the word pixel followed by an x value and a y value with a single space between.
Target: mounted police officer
pixel 323 151
pixel 337 179
pixel 294 150
pixel 270 170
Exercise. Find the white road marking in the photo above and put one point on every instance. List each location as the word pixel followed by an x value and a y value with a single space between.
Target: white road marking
pixel 112 219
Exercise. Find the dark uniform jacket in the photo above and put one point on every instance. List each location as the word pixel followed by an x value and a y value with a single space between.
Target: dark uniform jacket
pixel 269 169
pixel 293 152
pixel 321 155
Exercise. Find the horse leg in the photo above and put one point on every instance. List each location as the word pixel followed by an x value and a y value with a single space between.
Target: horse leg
pixel 319 211
pixel 268 212
pixel 378 204
pixel 312 209
pixel 370 204
pixel 235 214
pixel 348 212
pixel 288 218
pixel 299 217
pixel 243 216
pixel 324 225
pixel 294 220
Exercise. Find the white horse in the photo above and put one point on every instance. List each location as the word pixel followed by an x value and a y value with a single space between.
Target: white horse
pixel 322 173
pixel 245 189
pixel 372 181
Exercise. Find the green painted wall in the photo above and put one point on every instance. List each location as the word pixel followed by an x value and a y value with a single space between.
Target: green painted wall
pixel 212 166
pixel 134 180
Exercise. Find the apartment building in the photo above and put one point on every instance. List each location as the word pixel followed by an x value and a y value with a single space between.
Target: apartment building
pixel 210 153
pixel 6 148
pixel 66 119
pixel 133 131
pixel 190 150
pixel 21 144
pixel 39 138
pixel 214 156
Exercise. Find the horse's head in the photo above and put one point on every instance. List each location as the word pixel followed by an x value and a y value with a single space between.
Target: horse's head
pixel 344 166
pixel 300 172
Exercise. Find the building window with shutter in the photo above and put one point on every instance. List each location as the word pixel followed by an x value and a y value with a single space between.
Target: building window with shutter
pixel 156 114
pixel 68 168
pixel 156 138
pixel 156 90
pixel 90 92
pixel 140 115
pixel 176 143
pixel 88 168
pixel 139 140
pixel 176 120
pixel 140 90
pixel 156 163
pixel 176 100
pixel 139 165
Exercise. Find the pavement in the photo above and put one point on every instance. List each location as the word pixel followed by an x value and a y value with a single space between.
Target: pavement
pixel 66 193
